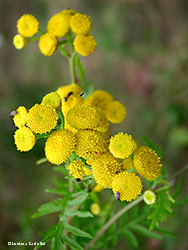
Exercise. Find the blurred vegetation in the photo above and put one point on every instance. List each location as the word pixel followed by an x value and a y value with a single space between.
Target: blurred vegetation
pixel 141 58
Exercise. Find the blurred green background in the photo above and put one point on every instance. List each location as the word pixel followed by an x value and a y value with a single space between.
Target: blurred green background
pixel 141 58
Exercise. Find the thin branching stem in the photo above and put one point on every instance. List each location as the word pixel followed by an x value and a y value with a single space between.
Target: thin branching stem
pixel 125 209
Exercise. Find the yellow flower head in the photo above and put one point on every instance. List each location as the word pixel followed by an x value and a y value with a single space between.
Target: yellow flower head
pixel 59 146
pixel 85 45
pixel 150 197
pixel 97 188
pixel 59 24
pixel 41 119
pixel 115 112
pixel 105 168
pixel 70 96
pixel 127 164
pixel 48 44
pixel 95 208
pixel 81 24
pixel 19 41
pixel 24 139
pixel 87 171
pixel 69 127
pixel 126 186
pixel 52 100
pixel 90 144
pixel 122 145
pixel 99 99
pixel 76 169
pixel 20 117
pixel 27 25
pixel 86 117
pixel 147 163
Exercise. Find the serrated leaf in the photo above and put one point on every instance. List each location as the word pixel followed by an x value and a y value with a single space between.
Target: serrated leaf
pixel 77 231
pixel 179 186
pixel 78 201
pixel 50 207
pixel 56 191
pixel 79 193
pixel 144 231
pixel 57 244
pixel 80 214
pixel 181 202
pixel 131 237
pixel 166 232
pixel 51 233
pixel 71 243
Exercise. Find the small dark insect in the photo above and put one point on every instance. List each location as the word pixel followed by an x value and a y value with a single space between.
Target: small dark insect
pixel 117 196
pixel 13 113
pixel 78 180
pixel 81 94
pixel 117 172
pixel 70 93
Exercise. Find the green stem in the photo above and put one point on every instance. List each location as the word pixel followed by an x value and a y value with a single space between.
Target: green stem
pixel 113 219
pixel 41 32
pixel 72 68
pixel 178 173
pixel 43 160
pixel 127 208
pixel 33 39
pixel 62 119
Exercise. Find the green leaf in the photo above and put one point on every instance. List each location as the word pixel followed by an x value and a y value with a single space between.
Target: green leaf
pixel 78 213
pixel 50 207
pixel 51 233
pixel 166 232
pixel 80 68
pixel 178 186
pixel 61 169
pixel 147 233
pixel 55 191
pixel 79 193
pixel 131 237
pixel 150 144
pixel 77 231
pixel 71 243
pixel 57 244
pixel 78 200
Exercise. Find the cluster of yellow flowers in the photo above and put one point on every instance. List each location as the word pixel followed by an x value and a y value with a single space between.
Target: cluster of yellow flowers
pixel 62 28
pixel 83 135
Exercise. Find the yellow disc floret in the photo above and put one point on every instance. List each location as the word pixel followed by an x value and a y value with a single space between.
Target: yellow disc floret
pixel 85 117
pixel 105 168
pixel 95 208
pixel 59 146
pixel 48 44
pixel 59 24
pixel 27 25
pixel 52 100
pixel 20 117
pixel 126 186
pixel 85 45
pixel 19 41
pixel 24 139
pixel 70 96
pixel 127 163
pixel 116 112
pixel 99 99
pixel 76 169
pixel 122 145
pixel 81 24
pixel 147 163
pixel 150 197
pixel 90 144
pixel 41 119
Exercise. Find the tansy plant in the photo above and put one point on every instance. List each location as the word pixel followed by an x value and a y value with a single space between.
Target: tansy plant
pixel 75 125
